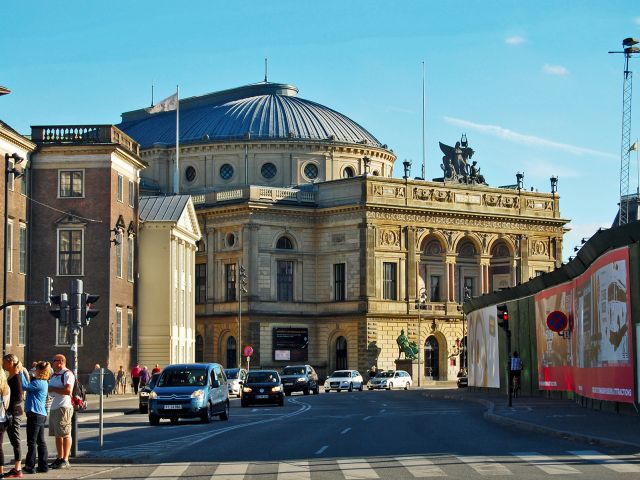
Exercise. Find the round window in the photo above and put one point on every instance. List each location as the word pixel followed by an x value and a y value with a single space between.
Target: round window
pixel 348 172
pixel 311 170
pixel 230 239
pixel 190 174
pixel 226 171
pixel 268 170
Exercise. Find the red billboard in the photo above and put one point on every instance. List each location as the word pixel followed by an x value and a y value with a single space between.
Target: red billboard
pixel 596 359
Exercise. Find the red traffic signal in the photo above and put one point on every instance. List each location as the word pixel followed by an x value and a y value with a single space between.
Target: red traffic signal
pixel 503 316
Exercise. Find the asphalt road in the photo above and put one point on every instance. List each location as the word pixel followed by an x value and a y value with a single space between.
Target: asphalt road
pixel 358 435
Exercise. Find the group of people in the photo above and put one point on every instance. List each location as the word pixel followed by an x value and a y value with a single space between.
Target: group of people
pixel 140 376
pixel 44 380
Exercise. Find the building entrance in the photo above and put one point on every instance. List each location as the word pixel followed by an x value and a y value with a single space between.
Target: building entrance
pixel 341 353
pixel 232 353
pixel 431 358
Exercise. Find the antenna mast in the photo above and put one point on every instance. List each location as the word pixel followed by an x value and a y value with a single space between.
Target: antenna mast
pixel 265 70
pixel 424 158
pixel 625 149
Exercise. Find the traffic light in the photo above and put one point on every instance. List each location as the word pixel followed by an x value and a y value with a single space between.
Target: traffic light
pixel 503 316
pixel 87 312
pixel 61 310
pixel 48 290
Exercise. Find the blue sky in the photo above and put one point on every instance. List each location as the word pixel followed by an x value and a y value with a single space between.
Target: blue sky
pixel 530 83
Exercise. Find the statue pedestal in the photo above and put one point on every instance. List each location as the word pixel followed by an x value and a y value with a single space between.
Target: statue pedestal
pixel 410 366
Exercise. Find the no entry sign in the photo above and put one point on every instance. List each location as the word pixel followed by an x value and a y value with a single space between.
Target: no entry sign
pixel 557 321
pixel 248 351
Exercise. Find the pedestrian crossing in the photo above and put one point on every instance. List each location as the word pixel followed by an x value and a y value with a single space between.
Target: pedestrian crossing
pixel 515 464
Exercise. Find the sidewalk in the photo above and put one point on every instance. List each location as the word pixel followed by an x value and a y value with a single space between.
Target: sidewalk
pixel 562 418
pixel 113 406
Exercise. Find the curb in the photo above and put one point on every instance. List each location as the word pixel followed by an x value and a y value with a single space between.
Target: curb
pixel 489 415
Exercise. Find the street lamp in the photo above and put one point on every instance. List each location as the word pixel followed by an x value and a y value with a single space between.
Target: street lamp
pixel 242 288
pixel 420 301
pixel 463 343
pixel 9 169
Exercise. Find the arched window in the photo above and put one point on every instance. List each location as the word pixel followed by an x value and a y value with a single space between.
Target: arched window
pixel 199 349
pixel 284 243
pixel 348 172
pixel 232 355
pixel 431 358
pixel 341 353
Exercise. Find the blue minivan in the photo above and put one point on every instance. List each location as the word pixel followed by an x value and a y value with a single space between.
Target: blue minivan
pixel 191 390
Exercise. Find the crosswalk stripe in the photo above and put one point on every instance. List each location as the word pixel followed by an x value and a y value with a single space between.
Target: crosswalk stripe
pixel 485 465
pixel 294 471
pixel 546 464
pixel 607 461
pixel 230 471
pixel 356 468
pixel 171 470
pixel 421 467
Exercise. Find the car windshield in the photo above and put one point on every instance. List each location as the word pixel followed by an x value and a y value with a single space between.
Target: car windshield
pixel 294 371
pixel 154 380
pixel 183 377
pixel 232 373
pixel 262 377
pixel 385 375
pixel 340 374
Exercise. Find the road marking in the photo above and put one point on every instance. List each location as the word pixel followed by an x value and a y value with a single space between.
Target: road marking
pixel 94 418
pixel 345 431
pixel 546 464
pixel 606 461
pixel 230 471
pixel 485 465
pixel 421 467
pixel 171 470
pixel 366 418
pixel 356 468
pixel 322 449
pixel 294 471
pixel 382 411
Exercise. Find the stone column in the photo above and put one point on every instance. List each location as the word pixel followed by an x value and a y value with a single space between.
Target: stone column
pixel 450 277
pixel 211 267
pixel 252 266
pixel 484 274
pixel 412 264
pixel 367 261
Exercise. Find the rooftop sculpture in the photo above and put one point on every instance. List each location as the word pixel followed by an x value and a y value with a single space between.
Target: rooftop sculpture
pixel 456 164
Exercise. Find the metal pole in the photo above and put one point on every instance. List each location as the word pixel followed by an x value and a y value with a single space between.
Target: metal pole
pixel 101 406
pixel 419 338
pixel 508 332
pixel 4 262
pixel 75 326
pixel 239 345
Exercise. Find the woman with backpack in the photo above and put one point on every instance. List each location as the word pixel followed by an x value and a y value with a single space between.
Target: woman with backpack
pixel 14 368
pixel 35 405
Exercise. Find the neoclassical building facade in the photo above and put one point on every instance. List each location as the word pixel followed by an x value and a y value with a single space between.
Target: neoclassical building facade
pixel 313 253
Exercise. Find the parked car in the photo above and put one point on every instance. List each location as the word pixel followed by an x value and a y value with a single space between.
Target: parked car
pixel 192 390
pixel 262 386
pixel 235 380
pixel 344 380
pixel 143 394
pixel 463 379
pixel 300 378
pixel 391 379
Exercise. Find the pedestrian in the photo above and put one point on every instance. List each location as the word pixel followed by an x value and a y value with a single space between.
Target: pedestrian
pixel 14 368
pixel 145 376
pixel 121 381
pixel 135 377
pixel 5 398
pixel 36 408
pixel 60 387
pixel 156 369
pixel 515 369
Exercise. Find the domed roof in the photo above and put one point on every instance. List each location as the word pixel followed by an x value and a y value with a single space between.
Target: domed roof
pixel 262 111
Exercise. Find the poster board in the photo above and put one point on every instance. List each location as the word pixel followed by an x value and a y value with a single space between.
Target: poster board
pixel 483 359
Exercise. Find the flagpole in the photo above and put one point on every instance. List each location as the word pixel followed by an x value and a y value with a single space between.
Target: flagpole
pixel 424 161
pixel 176 171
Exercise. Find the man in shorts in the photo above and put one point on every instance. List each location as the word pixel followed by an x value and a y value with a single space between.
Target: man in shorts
pixel 60 388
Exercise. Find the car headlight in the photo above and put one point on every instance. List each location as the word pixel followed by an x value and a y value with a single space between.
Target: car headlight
pixel 276 389
pixel 153 395
pixel 197 394
pixel 302 379
pixel 144 394
pixel 247 390
pixel 384 382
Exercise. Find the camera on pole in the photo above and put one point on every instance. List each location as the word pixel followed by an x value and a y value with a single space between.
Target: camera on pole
pixel 87 311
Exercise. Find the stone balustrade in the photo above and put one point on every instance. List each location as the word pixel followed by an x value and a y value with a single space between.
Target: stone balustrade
pixel 83 134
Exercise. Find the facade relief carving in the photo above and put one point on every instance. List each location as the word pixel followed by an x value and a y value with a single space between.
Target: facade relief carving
pixel 538 248
pixel 389 238
pixel 424 194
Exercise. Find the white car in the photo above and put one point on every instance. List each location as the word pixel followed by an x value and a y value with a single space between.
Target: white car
pixel 391 379
pixel 235 380
pixel 344 380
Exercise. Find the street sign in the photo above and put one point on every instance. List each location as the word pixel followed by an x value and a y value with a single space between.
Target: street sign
pixel 248 351
pixel 108 382
pixel 557 321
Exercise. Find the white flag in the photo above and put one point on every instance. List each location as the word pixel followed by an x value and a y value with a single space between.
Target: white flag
pixel 166 105
pixel 633 147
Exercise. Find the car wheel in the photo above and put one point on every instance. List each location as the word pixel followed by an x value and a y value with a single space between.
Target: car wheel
pixel 174 420
pixel 338 390
pixel 361 387
pixel 287 393
pixel 316 391
pixel 306 391
pixel 144 409
pixel 154 419
pixel 327 390
pixel 351 387
pixel 390 387
pixel 206 416
pixel 406 387
pixel 225 413
pixel 369 388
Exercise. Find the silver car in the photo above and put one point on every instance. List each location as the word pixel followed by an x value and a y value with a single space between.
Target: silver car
pixel 344 380
pixel 391 379
pixel 235 379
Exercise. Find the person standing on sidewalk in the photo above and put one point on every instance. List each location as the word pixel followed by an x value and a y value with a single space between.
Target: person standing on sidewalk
pixel 156 369
pixel 61 386
pixel 135 377
pixel 36 407
pixel 5 396
pixel 515 369
pixel 14 368
pixel 121 381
